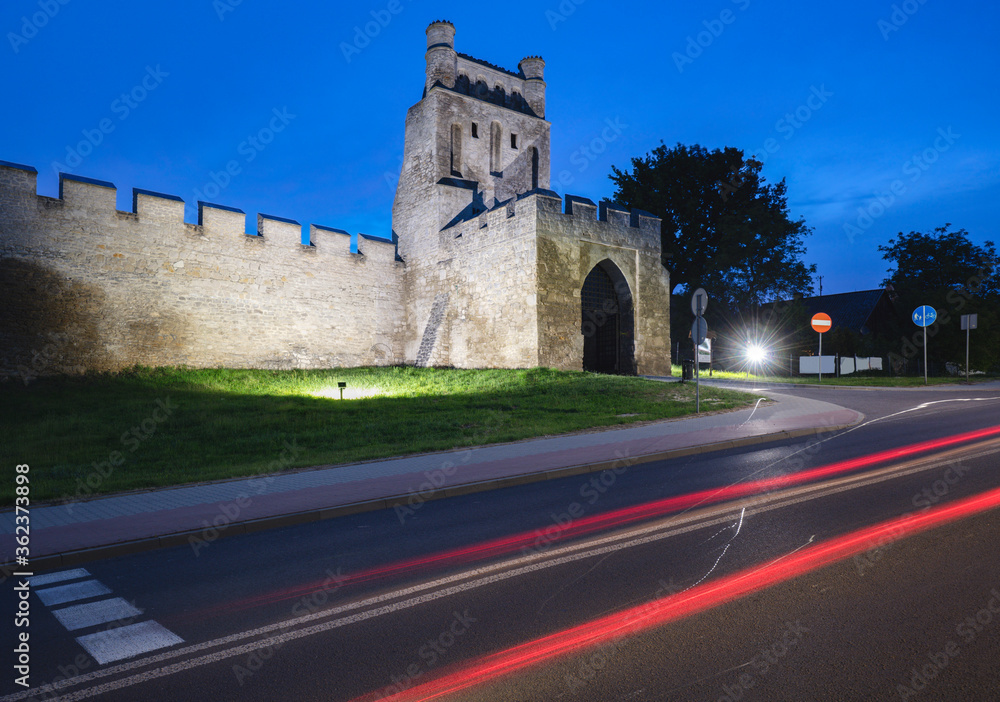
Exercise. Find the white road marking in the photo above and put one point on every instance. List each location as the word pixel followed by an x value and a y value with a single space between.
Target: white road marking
pixel 101 612
pixel 75 591
pixel 475 578
pixel 128 641
pixel 49 578
pixel 845 432
pixel 714 566
pixel 752 411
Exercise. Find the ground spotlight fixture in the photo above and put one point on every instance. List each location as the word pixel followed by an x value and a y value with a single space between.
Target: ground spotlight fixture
pixel 341 385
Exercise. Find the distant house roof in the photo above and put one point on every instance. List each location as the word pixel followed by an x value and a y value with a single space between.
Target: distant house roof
pixel 866 311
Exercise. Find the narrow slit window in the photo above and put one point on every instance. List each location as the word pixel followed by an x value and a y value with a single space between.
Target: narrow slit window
pixel 534 167
pixel 513 141
pixel 475 130
pixel 456 149
pixel 496 146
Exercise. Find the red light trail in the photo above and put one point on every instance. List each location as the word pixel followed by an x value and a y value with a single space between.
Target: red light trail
pixel 697 599
pixel 608 520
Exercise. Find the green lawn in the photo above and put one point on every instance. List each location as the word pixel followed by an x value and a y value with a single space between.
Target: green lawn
pixel 851 380
pixel 109 432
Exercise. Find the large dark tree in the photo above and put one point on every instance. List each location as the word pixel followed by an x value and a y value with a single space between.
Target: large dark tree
pixel 724 228
pixel 947 271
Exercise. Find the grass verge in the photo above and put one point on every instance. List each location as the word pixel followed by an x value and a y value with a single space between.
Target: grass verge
pixel 151 427
pixel 852 380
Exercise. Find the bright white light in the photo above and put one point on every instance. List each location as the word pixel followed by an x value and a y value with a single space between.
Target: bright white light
pixel 350 393
pixel 756 354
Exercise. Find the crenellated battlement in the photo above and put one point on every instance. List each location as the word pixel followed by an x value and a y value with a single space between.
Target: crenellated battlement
pixel 522 90
pixel 101 288
pixel 573 215
pixel 83 198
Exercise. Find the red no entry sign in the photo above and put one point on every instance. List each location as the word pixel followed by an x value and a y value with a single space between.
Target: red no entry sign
pixel 821 322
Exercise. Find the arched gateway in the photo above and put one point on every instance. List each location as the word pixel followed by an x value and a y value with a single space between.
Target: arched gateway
pixel 607 321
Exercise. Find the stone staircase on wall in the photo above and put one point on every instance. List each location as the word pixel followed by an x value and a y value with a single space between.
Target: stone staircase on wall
pixel 431 330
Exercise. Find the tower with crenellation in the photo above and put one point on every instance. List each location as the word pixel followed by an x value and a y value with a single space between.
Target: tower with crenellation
pixel 477 137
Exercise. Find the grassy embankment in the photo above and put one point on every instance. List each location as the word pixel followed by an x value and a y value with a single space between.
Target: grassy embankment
pixel 849 380
pixel 142 428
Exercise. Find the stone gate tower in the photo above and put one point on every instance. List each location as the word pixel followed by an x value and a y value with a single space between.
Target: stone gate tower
pixel 498 274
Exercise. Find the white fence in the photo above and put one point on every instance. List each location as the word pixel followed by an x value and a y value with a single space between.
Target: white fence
pixel 810 365
pixel 856 364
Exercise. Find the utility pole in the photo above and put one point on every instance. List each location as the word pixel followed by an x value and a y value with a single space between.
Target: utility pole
pixel 820 285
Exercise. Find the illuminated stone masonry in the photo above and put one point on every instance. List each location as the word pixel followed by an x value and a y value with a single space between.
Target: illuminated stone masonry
pixel 486 266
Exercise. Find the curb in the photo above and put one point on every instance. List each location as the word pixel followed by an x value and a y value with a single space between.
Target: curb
pixel 125 548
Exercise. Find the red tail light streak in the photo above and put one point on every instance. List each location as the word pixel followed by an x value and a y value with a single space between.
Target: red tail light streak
pixel 697 599
pixel 612 519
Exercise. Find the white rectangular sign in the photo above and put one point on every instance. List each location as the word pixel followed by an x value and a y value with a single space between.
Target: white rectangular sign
pixel 705 351
pixel 810 365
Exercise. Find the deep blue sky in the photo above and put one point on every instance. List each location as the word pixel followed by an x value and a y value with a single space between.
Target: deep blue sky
pixel 222 68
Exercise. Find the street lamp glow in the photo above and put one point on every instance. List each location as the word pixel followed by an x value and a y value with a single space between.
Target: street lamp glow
pixel 756 354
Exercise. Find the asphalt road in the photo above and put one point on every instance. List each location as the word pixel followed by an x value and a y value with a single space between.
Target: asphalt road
pixel 319 612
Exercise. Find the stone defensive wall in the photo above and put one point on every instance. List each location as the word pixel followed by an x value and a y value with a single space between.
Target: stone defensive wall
pixel 521 267
pixel 87 286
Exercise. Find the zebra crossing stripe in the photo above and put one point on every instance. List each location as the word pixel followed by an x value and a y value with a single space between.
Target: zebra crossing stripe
pixel 49 578
pixel 116 642
pixel 93 613
pixel 74 591
pixel 128 641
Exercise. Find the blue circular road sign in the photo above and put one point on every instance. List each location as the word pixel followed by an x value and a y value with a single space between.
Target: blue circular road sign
pixel 924 316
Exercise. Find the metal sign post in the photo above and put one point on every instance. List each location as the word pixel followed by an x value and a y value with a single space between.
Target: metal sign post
pixel 969 321
pixel 699 330
pixel 821 323
pixel 924 316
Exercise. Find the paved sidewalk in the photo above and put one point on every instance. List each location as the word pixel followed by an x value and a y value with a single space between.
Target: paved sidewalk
pixel 72 533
